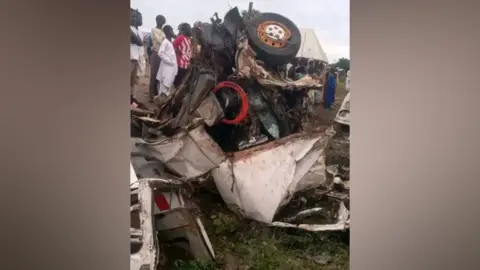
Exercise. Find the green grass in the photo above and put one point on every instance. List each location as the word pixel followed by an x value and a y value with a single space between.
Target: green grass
pixel 241 244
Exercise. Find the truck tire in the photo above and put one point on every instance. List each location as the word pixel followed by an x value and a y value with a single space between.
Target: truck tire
pixel 274 52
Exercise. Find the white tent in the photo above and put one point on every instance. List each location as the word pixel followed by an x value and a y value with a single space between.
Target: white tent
pixel 311 47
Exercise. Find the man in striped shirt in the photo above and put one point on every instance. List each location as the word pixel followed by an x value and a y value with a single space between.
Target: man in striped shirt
pixel 182 45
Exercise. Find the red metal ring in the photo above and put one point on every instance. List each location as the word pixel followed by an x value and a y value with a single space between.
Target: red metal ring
pixel 243 97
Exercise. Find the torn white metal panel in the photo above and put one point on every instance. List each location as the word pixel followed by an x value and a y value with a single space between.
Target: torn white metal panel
pixel 133 178
pixel 310 170
pixel 343 223
pixel 147 255
pixel 343 114
pixel 189 153
pixel 262 179
pixel 312 167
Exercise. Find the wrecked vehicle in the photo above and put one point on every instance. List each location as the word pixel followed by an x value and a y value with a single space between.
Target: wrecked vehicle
pixel 162 228
pixel 236 118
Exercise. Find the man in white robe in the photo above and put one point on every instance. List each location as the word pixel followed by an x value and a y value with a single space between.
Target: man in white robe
pixel 168 68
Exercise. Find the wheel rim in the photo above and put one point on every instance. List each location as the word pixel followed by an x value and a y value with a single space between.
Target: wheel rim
pixel 273 34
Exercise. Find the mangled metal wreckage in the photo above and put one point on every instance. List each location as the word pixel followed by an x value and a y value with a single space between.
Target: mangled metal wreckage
pixel 236 118
pixel 163 229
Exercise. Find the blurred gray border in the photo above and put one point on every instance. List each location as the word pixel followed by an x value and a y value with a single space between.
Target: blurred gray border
pixel 415 135
pixel 65 133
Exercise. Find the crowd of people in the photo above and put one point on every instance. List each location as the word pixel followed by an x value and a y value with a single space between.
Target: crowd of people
pixel 168 55
pixel 302 67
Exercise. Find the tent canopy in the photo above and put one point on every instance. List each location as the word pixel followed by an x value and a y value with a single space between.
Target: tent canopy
pixel 311 47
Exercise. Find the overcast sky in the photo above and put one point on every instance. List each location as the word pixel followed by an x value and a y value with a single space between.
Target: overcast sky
pixel 329 18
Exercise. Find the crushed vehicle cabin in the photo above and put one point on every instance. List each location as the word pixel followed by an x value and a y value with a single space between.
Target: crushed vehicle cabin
pixel 236 118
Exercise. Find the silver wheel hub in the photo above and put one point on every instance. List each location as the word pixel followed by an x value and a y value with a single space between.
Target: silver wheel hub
pixel 274 31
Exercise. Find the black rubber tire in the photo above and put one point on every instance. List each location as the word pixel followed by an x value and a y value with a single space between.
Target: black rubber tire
pixel 269 55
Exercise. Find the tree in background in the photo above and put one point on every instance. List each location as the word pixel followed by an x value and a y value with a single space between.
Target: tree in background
pixel 255 14
pixel 343 63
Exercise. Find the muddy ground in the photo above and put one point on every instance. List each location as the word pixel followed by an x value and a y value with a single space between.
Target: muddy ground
pixel 243 244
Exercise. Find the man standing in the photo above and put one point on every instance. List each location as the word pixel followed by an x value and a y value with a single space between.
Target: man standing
pixel 329 88
pixel 157 38
pixel 168 65
pixel 136 47
pixel 182 45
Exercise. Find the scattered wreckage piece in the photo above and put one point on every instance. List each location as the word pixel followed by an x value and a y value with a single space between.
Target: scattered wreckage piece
pixel 161 224
pixel 189 153
pixel 337 171
pixel 303 214
pixel 343 222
